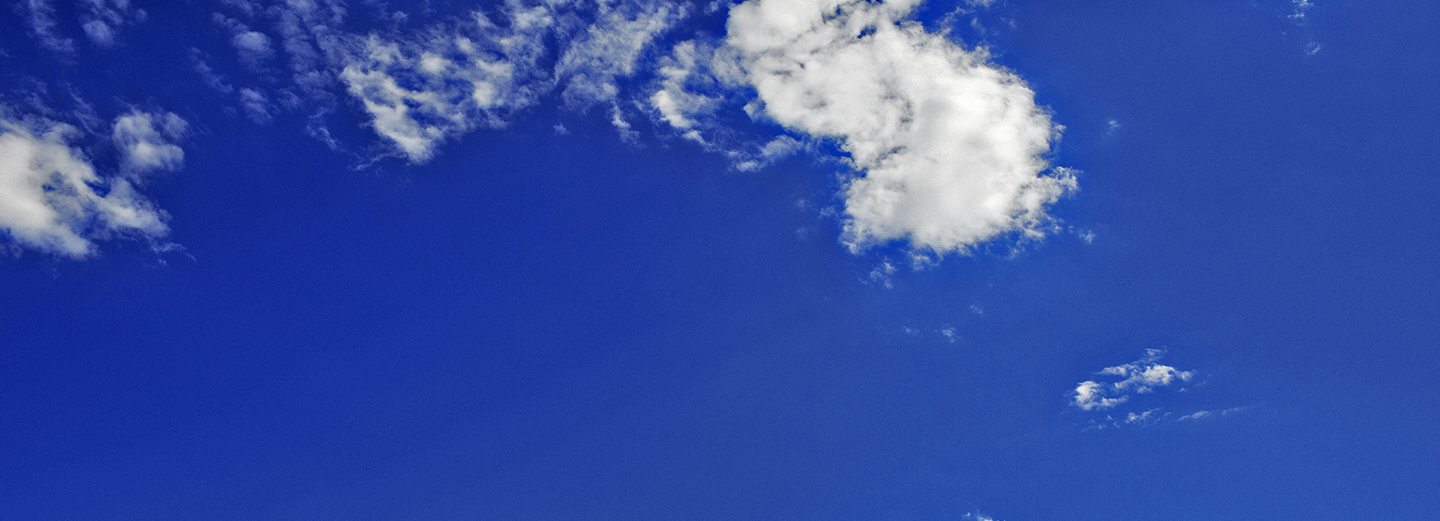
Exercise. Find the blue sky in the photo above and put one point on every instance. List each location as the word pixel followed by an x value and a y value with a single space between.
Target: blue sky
pixel 988 260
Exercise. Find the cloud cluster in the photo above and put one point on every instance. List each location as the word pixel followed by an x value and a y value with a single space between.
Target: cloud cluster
pixel 951 148
pixel 52 199
pixel 101 21
pixel 420 92
pixel 1139 377
pixel 948 150
pixel 610 48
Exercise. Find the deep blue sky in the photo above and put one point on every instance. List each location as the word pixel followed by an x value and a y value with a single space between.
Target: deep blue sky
pixel 534 326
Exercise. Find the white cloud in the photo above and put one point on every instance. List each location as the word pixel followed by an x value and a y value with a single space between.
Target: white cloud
pixel 698 82
pixel 1090 395
pixel 1211 414
pixel 309 36
pixel 147 141
pixel 207 74
pixel 1135 419
pixel 1300 8
pixel 257 106
pixel 748 159
pixel 882 274
pixel 253 46
pixel 952 148
pixel 52 199
pixel 100 20
pixel 611 48
pixel 41 19
pixel 424 91
pixel 679 106
pixel 1139 377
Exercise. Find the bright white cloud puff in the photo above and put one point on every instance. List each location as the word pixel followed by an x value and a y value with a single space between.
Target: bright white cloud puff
pixel 951 148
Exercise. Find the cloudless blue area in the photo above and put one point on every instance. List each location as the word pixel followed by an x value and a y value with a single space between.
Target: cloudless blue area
pixel 548 327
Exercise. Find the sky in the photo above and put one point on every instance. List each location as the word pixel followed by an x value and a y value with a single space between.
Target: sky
pixel 894 260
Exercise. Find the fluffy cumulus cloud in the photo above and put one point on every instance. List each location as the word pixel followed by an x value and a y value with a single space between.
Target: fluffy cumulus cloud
pixel 52 198
pixel 1121 382
pixel 951 148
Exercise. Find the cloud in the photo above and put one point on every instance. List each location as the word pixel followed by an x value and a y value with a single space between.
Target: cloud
pixel 1299 9
pixel 53 200
pixel 147 141
pixel 100 20
pixel 311 43
pixel 41 19
pixel 420 92
pixel 257 106
pixel 611 48
pixel 1211 414
pixel 951 148
pixel 699 81
pixel 253 46
pixel 883 274
pixel 677 103
pixel 103 19
pixel 1139 377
